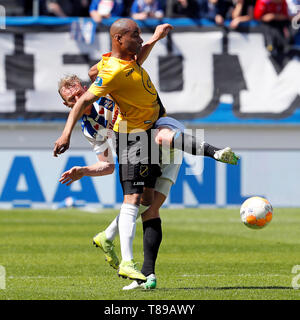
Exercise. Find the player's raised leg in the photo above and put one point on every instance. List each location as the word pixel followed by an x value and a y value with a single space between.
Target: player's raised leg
pixel 172 133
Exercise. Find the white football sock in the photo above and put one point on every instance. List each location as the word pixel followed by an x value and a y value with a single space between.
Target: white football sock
pixel 112 230
pixel 127 226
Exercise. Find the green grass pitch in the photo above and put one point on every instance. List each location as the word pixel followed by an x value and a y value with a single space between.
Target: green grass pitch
pixel 205 254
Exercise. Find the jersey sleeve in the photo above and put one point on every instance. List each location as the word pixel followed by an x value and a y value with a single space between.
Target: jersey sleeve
pixel 104 83
pixel 98 146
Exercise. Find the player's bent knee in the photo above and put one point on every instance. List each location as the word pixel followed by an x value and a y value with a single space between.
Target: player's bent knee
pixel 132 199
pixel 164 136
pixel 147 196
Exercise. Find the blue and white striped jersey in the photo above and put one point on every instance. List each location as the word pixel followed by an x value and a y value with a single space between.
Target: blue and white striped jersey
pixel 96 125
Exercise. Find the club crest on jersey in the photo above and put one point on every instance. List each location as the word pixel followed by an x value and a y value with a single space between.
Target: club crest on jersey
pixel 144 170
pixel 98 82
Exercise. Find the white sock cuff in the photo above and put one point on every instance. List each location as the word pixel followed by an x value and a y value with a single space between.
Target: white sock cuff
pixel 129 209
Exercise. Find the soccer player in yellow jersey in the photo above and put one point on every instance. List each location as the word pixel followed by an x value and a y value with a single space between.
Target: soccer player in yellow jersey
pixel 129 85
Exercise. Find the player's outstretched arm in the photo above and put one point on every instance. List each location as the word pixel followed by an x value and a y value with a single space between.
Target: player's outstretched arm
pixel 63 142
pixel 160 32
pixel 101 168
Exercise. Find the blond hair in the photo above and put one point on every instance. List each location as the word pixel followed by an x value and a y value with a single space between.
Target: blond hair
pixel 68 81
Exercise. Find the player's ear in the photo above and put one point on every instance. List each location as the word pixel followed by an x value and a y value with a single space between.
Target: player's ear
pixel 117 37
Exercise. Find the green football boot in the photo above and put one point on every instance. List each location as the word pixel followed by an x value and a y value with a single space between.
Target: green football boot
pixel 107 247
pixel 227 156
pixel 149 284
pixel 128 269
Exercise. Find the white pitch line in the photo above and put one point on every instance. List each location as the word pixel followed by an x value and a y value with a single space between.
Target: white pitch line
pixel 39 277
pixel 234 275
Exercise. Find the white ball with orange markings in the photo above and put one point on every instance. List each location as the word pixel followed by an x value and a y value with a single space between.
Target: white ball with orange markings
pixel 256 212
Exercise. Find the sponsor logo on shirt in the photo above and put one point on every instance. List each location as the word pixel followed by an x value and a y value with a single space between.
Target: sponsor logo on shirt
pixel 129 72
pixel 98 82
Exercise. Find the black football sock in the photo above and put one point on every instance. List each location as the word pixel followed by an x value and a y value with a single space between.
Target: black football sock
pixel 151 240
pixel 210 150
pixel 188 143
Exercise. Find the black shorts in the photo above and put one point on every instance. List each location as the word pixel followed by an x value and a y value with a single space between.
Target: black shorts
pixel 135 168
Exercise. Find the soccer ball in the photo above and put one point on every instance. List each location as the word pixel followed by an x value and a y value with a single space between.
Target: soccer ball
pixel 256 212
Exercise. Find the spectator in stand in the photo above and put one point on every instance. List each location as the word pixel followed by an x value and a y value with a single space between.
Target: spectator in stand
pixel 207 9
pixel 127 8
pixel 68 8
pixel 271 10
pixel 224 11
pixel 216 10
pixel 242 12
pixel 143 9
pixel 274 16
pixel 101 9
pixel 184 8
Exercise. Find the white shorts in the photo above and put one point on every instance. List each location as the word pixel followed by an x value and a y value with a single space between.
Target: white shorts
pixel 170 172
pixel 168 176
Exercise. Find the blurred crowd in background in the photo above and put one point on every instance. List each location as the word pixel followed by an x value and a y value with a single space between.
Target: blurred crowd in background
pixel 279 18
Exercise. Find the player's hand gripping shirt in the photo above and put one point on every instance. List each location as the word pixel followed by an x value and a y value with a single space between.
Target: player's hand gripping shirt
pixel 131 88
pixel 97 124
